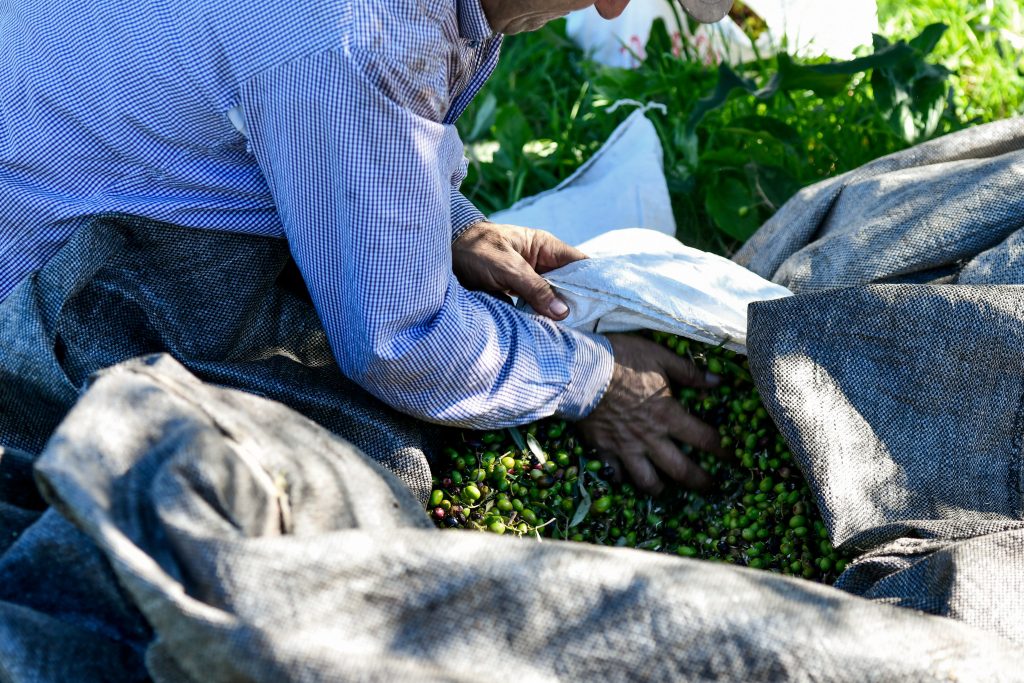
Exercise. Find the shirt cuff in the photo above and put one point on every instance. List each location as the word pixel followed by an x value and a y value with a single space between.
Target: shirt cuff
pixel 464 214
pixel 593 363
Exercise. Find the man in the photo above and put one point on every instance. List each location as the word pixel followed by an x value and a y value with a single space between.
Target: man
pixel 330 124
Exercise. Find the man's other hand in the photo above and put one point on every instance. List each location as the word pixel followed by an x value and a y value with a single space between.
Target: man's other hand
pixel 638 418
pixel 506 258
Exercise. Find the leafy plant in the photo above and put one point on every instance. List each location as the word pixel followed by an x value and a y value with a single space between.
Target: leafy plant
pixel 911 92
pixel 747 179
pixel 732 157
pixel 983 49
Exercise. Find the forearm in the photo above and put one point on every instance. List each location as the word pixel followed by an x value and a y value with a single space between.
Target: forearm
pixel 368 219
pixel 480 363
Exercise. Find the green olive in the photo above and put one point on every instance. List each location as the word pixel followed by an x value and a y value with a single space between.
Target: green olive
pixel 761 513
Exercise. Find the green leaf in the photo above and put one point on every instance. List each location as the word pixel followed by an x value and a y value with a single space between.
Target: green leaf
pixel 484 119
pixel 685 142
pixel 911 93
pixel 659 45
pixel 828 80
pixel 511 128
pixel 825 80
pixel 728 82
pixel 758 146
pixel 584 506
pixel 733 208
pixel 724 158
pixel 517 438
pixel 929 101
pixel 535 448
pixel 792 76
pixel 903 121
pixel 929 38
pixel 783 132
pixel 884 91
pixel 773 184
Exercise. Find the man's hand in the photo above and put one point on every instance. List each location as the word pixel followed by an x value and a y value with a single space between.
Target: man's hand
pixel 638 418
pixel 506 258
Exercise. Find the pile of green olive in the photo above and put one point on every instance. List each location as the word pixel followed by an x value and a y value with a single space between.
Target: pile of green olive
pixel 541 480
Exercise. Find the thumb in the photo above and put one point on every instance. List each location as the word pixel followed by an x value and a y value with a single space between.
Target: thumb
pixel 528 285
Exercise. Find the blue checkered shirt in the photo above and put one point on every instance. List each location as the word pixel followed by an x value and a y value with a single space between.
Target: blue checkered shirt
pixel 327 122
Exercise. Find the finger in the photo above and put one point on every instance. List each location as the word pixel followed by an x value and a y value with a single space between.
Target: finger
pixel 554 253
pixel 677 466
pixel 642 472
pixel 686 428
pixel 683 371
pixel 525 283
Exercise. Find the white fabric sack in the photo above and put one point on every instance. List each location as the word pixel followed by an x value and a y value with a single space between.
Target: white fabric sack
pixel 808 28
pixel 621 186
pixel 642 279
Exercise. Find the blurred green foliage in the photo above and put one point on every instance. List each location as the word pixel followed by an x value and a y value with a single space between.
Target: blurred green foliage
pixel 983 49
pixel 740 141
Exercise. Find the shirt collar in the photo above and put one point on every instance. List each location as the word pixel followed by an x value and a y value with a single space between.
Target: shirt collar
pixel 473 24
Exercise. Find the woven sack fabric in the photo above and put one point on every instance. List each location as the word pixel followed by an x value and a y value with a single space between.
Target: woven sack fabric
pixel 897 372
pixel 232 308
pixel 246 543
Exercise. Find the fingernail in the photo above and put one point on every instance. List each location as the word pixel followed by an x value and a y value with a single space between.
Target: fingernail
pixel 711 378
pixel 558 308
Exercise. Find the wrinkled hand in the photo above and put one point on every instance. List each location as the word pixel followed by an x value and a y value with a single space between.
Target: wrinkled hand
pixel 638 418
pixel 506 258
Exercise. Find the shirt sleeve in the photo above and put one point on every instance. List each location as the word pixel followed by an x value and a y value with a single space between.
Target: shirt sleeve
pixel 464 213
pixel 362 182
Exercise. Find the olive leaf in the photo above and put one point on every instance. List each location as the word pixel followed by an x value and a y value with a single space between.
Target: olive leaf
pixel 535 448
pixel 584 506
pixel 517 438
